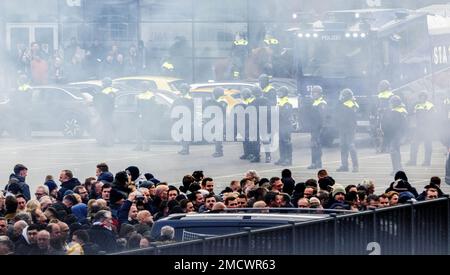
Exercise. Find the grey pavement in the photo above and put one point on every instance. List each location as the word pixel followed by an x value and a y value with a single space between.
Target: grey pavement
pixel 49 155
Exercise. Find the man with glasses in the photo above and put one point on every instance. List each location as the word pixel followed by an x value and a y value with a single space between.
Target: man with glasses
pixel 41 191
pixel 81 190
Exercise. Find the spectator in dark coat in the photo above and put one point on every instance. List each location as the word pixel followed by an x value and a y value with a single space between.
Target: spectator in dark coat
pixel 17 182
pixel 401 184
pixel 101 232
pixel 68 182
pixel 288 181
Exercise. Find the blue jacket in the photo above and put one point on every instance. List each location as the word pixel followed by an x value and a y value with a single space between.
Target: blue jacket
pixel 20 187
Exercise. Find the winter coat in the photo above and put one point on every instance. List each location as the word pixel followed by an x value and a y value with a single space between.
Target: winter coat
pixel 67 185
pixel 103 237
pixel 18 185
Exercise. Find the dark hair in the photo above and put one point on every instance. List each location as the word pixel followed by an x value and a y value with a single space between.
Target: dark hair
pixel 351 197
pixel 273 180
pixel 372 198
pixel 286 173
pixel 103 167
pixel 187 180
pixel 205 180
pixel 82 235
pixel 77 188
pixel 348 187
pixel 18 168
pixel 322 173
pixel 311 183
pixel 362 195
pixel 194 187
pixel 71 198
pixel 400 175
pixel 242 196
pixel 134 241
pixel 106 185
pixel 198 175
pixel 121 178
pixel 210 196
pixel 435 181
pixel 171 187
pixel 228 199
pixel 68 173
pixel 11 204
pixel 34 226
pixel 183 203
pixel 21 196
pixel 384 196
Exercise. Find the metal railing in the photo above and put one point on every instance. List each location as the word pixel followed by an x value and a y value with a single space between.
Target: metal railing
pixel 413 228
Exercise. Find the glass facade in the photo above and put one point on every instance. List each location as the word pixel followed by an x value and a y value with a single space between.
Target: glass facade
pixel 207 27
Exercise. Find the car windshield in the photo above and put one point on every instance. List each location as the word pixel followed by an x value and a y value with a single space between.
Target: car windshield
pixel 334 58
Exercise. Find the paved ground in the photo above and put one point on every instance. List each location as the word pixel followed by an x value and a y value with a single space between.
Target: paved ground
pixel 49 155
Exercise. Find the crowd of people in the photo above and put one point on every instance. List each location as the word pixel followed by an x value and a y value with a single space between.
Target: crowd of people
pixel 77 62
pixel 109 213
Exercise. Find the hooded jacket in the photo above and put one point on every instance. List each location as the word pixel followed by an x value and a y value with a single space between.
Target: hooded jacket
pixel 67 185
pixel 17 185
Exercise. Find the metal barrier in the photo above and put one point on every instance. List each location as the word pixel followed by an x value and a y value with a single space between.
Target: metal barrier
pixel 413 228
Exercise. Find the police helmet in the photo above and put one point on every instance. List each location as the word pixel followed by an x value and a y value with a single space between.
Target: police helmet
pixel 395 101
pixel 346 94
pixel 23 79
pixel 263 78
pixel 257 92
pixel 316 90
pixel 107 82
pixel 246 93
pixel 184 88
pixel 423 95
pixel 218 92
pixel 283 91
pixel 384 86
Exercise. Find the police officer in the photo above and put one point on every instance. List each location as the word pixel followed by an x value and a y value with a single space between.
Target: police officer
pixel 346 122
pixel 383 107
pixel 424 114
pixel 146 111
pixel 104 102
pixel 263 135
pixel 219 101
pixel 247 100
pixel 21 102
pixel 285 127
pixel 394 127
pixel 268 90
pixel 317 124
pixel 239 54
pixel 185 100
pixel 168 67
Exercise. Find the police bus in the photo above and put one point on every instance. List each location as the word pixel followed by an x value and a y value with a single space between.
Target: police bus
pixel 357 49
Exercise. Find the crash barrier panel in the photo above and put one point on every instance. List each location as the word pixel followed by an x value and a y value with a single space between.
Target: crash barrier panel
pixel 407 229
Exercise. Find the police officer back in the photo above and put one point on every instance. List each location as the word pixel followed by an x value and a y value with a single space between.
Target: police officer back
pixel 285 113
pixel 247 100
pixel 147 114
pixel 317 124
pixel 346 123
pixel 268 90
pixel 424 112
pixel 239 54
pixel 185 100
pixel 395 126
pixel 383 107
pixel 219 101
pixel 104 102
pixel 259 103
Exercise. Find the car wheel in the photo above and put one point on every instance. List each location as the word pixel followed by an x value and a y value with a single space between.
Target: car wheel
pixel 72 127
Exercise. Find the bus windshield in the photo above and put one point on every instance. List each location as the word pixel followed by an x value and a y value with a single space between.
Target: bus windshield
pixel 348 58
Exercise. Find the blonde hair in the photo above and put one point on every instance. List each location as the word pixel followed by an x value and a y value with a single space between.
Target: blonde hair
pixel 33 205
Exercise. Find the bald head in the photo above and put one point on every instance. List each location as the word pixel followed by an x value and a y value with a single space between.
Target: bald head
pixel 18 227
pixel 43 239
